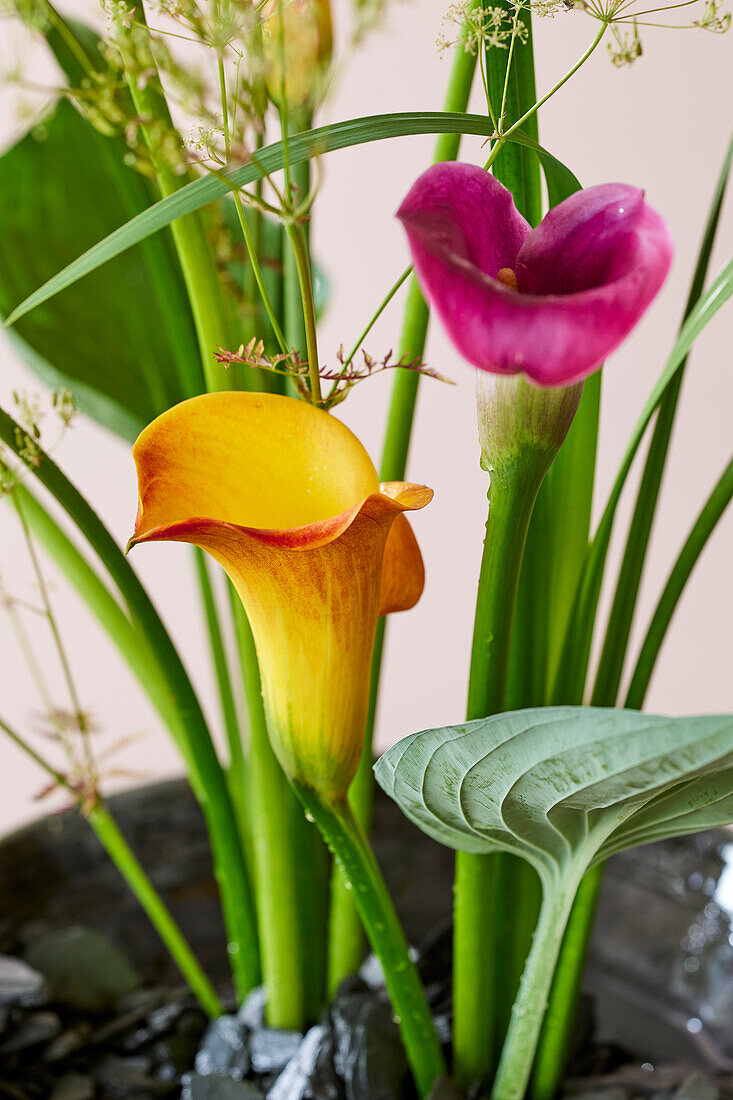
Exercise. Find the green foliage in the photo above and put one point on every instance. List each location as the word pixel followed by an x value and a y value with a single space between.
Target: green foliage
pixel 201 192
pixel 563 786
pixel 574 660
pixel 121 340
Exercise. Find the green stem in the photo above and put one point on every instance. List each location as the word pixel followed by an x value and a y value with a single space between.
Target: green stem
pixel 479 990
pixel 281 939
pixel 256 269
pixel 124 859
pixel 77 710
pixel 350 847
pixel 237 773
pixel 207 776
pixel 297 179
pixel 299 245
pixel 194 251
pixel 560 1017
pixel 517 1056
pixel 345 936
pixel 556 87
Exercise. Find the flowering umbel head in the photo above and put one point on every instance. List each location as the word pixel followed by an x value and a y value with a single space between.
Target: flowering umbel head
pixel 550 302
pixel 286 499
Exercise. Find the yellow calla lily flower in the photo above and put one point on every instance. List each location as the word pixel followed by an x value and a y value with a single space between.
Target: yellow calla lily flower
pixel 287 500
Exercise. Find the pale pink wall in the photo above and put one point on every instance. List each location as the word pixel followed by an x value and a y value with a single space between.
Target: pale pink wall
pixel 662 125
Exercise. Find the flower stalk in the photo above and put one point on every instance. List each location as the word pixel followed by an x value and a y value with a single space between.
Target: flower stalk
pixel 346 839
pixel 346 941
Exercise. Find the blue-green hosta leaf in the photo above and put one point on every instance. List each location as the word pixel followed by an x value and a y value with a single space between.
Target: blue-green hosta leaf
pixel 564 785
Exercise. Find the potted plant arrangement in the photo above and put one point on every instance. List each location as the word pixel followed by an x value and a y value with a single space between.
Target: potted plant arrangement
pixel 194 253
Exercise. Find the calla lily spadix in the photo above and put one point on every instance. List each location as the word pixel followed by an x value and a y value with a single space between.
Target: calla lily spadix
pixel 550 302
pixel 288 501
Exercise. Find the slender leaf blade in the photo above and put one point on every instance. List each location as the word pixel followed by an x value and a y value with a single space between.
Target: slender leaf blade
pixel 201 192
pixel 611 664
pixel 576 648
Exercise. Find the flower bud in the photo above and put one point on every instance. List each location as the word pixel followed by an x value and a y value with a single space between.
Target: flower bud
pixel 306 48
pixel 521 425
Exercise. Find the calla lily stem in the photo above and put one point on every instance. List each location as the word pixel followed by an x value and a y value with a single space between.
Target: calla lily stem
pixel 346 839
pixel 119 851
pixel 271 803
pixel 477 969
pixel 345 936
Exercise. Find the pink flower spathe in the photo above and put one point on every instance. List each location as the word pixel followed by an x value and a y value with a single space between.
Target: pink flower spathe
pixel 584 276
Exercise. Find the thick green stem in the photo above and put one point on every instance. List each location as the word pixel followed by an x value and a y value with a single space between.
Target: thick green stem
pixel 350 847
pixel 345 936
pixel 272 800
pixel 122 856
pixel 517 1056
pixel 194 251
pixel 237 772
pixel 557 1027
pixel 207 776
pixel 476 946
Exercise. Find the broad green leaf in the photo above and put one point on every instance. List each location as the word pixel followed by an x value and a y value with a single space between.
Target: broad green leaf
pixel 123 340
pixel 611 663
pixel 576 649
pixel 201 192
pixel 563 786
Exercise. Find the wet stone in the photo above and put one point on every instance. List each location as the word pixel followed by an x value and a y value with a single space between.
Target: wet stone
pixel 324 1083
pixel 294 1079
pixel 218 1088
pixel 371 972
pixel 83 967
pixel 20 983
pixel 68 1043
pixel 442 1021
pixel 73 1086
pixel 34 1029
pixel 252 1012
pixel 271 1050
pixel 697 1086
pixel 224 1049
pixel 369 1055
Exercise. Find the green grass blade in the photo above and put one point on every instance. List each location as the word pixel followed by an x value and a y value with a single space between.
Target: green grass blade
pixel 703 527
pixel 193 196
pixel 611 664
pixel 573 666
pixel 207 775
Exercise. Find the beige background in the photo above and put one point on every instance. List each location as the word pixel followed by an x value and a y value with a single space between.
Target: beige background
pixel 663 125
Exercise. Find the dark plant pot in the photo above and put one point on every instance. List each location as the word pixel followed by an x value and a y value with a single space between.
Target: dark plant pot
pixel 661 967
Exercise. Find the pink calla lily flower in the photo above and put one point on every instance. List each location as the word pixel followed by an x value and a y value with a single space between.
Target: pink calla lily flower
pixel 550 302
